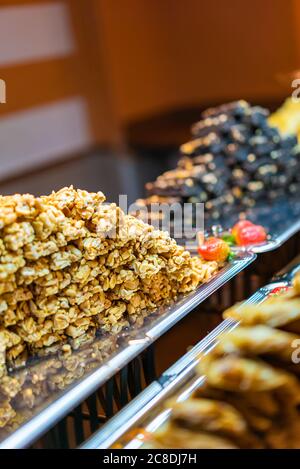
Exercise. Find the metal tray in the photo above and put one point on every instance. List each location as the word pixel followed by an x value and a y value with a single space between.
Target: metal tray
pixel 146 413
pixel 130 344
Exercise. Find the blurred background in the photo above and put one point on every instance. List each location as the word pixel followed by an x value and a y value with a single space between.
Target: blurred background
pixel 100 93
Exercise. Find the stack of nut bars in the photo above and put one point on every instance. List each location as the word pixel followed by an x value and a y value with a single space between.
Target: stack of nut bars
pixel 234 159
pixel 73 267
pixel 251 394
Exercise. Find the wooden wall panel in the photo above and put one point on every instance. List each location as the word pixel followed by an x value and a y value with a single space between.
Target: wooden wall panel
pixel 137 58
pixel 174 53
pixel 94 72
pixel 70 75
pixel 37 84
pixel 81 72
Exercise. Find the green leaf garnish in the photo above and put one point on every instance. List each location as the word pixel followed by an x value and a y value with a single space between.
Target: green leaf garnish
pixel 231 256
pixel 229 239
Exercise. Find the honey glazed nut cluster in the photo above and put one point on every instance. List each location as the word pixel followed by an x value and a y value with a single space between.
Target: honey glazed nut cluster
pixel 72 264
